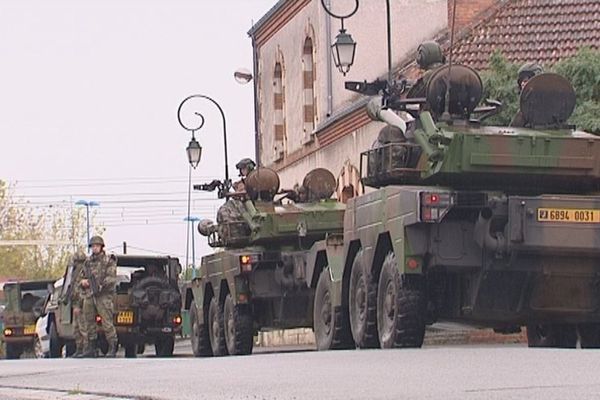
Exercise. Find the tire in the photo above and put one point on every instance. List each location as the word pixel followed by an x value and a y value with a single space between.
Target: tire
pixel 589 335
pixel 199 336
pixel 400 308
pixel 164 346
pixel 70 348
pixel 13 351
pixel 362 305
pixel 552 335
pixel 130 350
pixel 216 328
pixel 56 345
pixel 331 326
pixel 239 327
pixel 102 345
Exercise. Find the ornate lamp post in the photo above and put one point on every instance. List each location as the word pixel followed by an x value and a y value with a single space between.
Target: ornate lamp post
pixel 344 47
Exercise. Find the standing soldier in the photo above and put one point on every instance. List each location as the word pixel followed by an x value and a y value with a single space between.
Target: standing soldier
pixel 79 328
pixel 98 292
pixel 526 72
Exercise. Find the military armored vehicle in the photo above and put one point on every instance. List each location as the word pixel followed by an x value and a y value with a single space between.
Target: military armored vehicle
pixel 492 226
pixel 256 279
pixel 24 304
pixel 147 307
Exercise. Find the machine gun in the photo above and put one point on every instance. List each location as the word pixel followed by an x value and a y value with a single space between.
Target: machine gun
pixel 222 186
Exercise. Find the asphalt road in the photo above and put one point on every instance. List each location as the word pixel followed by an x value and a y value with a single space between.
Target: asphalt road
pixel 458 372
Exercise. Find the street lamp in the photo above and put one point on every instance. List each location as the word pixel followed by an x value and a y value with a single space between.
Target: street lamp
pixel 87 204
pixel 192 220
pixel 344 48
pixel 194 152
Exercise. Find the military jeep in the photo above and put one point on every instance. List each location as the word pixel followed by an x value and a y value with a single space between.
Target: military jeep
pixel 25 303
pixel 147 307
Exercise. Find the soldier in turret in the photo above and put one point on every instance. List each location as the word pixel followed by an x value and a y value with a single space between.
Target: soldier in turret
pixel 526 72
pixel 98 289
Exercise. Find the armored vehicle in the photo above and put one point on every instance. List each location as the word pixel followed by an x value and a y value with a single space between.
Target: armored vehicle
pixel 492 226
pixel 147 307
pixel 256 280
pixel 24 304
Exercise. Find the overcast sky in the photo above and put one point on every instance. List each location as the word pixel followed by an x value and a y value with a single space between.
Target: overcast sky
pixel 88 97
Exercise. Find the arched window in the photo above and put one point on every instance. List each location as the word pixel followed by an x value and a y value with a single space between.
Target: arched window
pixel 348 183
pixel 278 107
pixel 309 88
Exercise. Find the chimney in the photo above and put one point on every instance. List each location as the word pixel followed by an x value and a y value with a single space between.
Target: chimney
pixel 468 11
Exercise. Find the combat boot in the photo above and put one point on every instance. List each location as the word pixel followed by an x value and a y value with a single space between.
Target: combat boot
pixel 112 349
pixel 78 353
pixel 90 350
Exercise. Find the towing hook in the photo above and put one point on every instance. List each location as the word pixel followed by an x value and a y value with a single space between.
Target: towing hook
pixel 483 236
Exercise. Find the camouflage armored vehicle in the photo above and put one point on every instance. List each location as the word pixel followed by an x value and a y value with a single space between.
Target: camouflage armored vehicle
pixel 491 226
pixel 147 307
pixel 24 304
pixel 256 280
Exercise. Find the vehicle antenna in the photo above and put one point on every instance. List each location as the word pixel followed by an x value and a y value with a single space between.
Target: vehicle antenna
pixel 446 114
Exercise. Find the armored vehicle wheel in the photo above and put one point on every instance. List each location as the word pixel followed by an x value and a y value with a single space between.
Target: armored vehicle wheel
pixel 164 346
pixel 400 308
pixel 363 305
pixel 199 335
pixel 13 351
pixel 561 336
pixel 331 326
pixel 239 329
pixel 216 328
pixel 589 335
pixel 56 344
pixel 130 350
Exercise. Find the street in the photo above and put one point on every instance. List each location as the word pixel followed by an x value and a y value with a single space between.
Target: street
pixel 452 372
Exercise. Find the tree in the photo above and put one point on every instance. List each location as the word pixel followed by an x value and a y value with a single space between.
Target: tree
pixel 582 70
pixel 56 224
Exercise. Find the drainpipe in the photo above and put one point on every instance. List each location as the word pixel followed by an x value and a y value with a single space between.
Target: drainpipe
pixel 256 105
pixel 329 61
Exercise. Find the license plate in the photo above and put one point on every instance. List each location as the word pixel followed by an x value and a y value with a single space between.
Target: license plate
pixel 125 318
pixel 29 330
pixel 572 215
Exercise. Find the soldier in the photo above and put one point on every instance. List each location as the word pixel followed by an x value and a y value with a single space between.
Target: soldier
pixel 98 292
pixel 429 58
pixel 526 72
pixel 79 328
pixel 230 215
pixel 245 166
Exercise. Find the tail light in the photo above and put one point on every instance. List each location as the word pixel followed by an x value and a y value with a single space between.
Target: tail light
pixel 177 320
pixel 8 332
pixel 435 205
pixel 246 262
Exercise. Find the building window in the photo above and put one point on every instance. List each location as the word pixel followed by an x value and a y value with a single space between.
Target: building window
pixel 278 107
pixel 309 89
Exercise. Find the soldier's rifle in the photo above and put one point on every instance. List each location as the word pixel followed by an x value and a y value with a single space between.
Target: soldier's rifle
pixel 92 280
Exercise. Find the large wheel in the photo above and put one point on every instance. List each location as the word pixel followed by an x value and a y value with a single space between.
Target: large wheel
pixel 400 308
pixel 589 334
pixel 216 328
pixel 239 328
pixel 363 305
pixel 56 345
pixel 165 346
pixel 13 351
pixel 130 350
pixel 331 326
pixel 556 335
pixel 199 336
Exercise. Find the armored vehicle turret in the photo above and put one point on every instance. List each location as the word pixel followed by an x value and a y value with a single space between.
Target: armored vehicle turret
pixel 257 279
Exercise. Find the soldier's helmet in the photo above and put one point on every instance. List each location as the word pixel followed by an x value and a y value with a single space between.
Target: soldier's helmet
pixel 528 71
pixel 79 256
pixel 246 163
pixel 97 240
pixel 430 54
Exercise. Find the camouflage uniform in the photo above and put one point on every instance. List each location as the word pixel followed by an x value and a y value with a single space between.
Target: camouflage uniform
pixel 79 330
pixel 104 268
pixel 526 72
